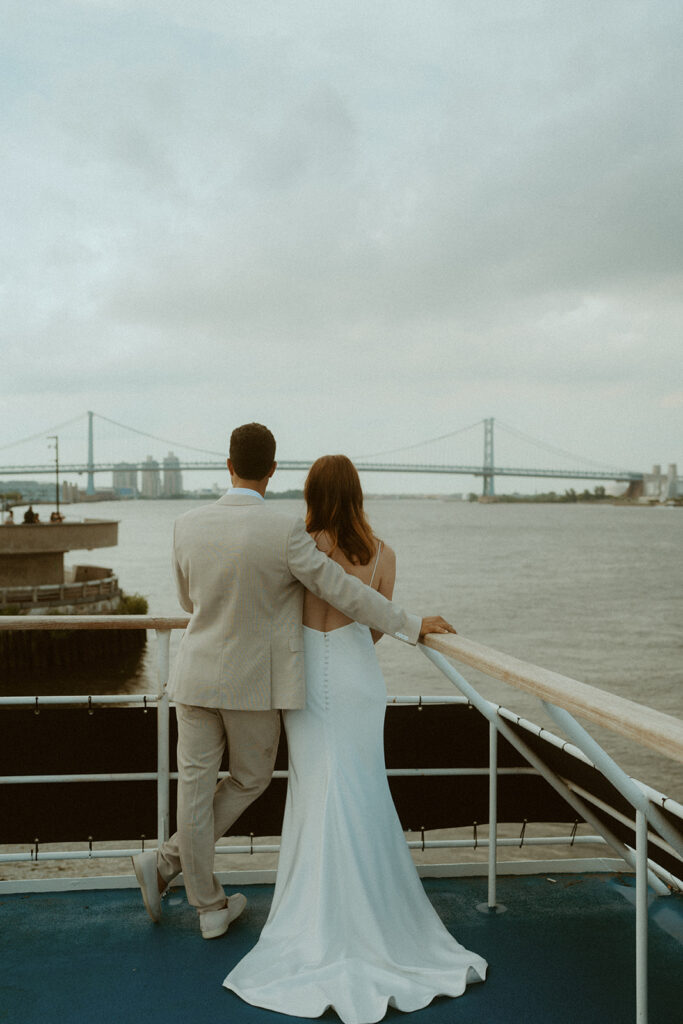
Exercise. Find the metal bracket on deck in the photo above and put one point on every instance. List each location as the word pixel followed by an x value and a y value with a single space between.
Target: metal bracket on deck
pixel 521 834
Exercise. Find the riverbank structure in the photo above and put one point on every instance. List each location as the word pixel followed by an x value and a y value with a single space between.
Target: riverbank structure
pixel 33 577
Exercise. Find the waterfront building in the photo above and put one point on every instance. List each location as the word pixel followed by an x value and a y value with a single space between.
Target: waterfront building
pixel 151 478
pixel 173 478
pixel 125 479
pixel 659 486
pixel 70 493
pixel 31 491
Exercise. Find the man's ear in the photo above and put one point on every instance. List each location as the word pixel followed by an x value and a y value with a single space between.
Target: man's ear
pixel 273 468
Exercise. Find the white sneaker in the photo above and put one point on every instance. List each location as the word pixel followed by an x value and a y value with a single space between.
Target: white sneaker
pixel 214 923
pixel 145 866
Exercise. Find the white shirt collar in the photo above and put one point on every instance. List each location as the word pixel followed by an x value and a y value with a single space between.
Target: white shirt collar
pixel 245 490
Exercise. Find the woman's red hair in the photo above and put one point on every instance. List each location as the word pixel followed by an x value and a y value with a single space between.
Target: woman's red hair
pixel 335 504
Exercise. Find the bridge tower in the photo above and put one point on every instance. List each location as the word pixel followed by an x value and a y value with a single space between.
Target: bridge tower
pixel 90 488
pixel 488 490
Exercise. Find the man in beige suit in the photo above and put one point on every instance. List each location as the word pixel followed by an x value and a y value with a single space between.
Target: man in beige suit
pixel 241 568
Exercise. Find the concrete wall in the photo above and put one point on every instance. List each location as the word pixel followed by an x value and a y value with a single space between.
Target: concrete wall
pixel 29 538
pixel 31 570
pixel 83 573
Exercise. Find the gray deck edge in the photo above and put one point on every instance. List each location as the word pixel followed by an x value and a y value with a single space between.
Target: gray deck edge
pixel 574 865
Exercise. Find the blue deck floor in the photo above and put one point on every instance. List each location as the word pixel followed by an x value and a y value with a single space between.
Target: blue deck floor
pixel 563 952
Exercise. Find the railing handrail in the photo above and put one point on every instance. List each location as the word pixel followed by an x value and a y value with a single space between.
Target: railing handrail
pixel 637 722
pixel 22 622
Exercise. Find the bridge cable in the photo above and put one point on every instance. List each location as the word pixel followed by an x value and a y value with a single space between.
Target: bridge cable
pixel 43 433
pixel 154 437
pixel 420 444
pixel 555 450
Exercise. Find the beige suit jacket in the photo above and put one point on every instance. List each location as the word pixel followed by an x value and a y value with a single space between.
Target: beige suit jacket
pixel 241 567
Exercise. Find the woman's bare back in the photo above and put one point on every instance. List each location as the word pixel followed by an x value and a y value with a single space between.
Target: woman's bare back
pixel 320 615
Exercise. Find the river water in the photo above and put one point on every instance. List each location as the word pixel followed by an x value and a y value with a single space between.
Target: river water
pixel 594 592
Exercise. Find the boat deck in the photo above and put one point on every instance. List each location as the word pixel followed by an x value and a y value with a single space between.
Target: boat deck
pixel 564 951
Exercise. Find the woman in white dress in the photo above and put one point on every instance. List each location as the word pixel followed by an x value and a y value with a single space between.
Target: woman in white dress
pixel 350 925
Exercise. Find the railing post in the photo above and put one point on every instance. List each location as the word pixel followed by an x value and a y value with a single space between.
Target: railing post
pixel 641 918
pixel 491 906
pixel 163 716
pixel 493 812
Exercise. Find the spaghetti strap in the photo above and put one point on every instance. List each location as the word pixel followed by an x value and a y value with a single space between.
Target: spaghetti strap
pixel 374 570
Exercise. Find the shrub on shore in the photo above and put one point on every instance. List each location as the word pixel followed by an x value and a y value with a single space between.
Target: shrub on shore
pixel 132 604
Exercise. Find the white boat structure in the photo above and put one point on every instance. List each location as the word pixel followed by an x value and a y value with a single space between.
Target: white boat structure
pixel 597 941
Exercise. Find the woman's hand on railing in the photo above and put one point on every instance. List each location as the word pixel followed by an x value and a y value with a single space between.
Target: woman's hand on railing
pixel 435 624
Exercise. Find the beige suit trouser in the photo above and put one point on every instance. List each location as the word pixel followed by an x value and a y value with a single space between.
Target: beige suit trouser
pixel 206 810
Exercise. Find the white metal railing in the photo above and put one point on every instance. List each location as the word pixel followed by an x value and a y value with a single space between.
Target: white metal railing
pixel 559 695
pixel 163 776
pixel 591 703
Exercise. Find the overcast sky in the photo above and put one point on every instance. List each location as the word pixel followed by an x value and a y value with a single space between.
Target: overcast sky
pixel 364 224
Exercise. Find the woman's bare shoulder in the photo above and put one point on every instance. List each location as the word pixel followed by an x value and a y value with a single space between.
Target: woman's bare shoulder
pixel 322 540
pixel 387 555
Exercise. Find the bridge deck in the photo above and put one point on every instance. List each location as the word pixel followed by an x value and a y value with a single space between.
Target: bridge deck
pixel 214 465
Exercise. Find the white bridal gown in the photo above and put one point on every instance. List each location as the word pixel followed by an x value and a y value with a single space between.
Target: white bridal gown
pixel 350 925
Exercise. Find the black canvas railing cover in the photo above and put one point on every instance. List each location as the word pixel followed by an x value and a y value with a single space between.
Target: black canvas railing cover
pixel 104 740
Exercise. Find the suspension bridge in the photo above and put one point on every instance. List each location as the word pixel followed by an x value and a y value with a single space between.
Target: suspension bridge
pixel 420 460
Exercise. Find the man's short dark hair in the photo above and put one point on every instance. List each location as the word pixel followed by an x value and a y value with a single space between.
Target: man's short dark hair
pixel 252 451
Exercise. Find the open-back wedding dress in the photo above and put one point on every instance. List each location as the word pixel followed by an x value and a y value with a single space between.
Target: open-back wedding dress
pixel 350 925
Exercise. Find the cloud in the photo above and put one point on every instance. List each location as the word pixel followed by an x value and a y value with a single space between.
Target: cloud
pixel 672 401
pixel 426 214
